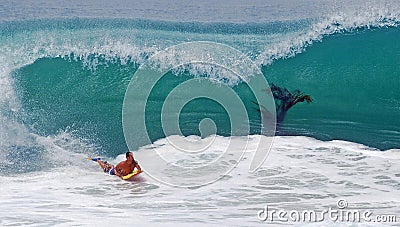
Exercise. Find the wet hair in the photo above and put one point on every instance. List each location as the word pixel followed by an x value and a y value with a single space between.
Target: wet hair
pixel 129 153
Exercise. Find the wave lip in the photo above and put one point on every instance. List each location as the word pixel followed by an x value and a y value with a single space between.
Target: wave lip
pixel 340 22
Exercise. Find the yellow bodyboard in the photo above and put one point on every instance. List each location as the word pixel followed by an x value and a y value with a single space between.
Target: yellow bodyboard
pixel 134 173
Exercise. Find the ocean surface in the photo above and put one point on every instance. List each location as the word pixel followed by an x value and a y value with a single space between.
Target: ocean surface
pixel 65 67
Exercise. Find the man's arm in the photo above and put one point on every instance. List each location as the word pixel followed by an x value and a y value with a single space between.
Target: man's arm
pixel 138 166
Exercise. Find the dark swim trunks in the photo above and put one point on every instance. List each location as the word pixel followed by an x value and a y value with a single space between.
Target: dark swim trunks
pixel 112 171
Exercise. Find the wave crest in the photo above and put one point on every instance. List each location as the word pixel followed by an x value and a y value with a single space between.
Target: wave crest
pixel 295 43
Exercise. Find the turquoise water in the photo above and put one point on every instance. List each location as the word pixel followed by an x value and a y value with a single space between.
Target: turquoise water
pixel 353 78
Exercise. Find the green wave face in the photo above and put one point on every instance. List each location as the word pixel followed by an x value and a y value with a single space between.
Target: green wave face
pixel 353 78
pixel 59 95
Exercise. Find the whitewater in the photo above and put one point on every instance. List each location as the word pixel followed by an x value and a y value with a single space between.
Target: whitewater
pixel 65 68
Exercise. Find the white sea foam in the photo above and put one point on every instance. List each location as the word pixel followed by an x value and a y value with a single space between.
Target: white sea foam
pixel 300 173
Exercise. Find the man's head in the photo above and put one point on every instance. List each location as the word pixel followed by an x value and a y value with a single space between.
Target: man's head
pixel 129 156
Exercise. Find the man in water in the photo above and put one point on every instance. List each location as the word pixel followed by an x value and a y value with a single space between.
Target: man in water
pixel 121 169
pixel 126 167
